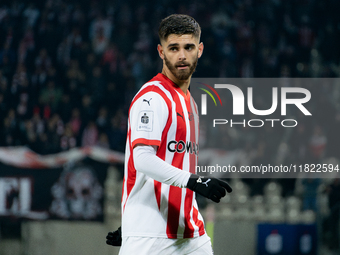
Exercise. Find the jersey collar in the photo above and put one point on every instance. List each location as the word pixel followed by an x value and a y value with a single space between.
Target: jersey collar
pixel 175 86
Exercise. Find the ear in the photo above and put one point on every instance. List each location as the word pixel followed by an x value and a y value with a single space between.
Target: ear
pixel 200 49
pixel 160 51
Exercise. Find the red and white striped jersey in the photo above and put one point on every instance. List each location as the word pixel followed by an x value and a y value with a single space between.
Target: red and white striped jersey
pixel 161 114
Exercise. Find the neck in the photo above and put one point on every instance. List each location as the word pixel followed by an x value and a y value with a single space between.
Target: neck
pixel 182 84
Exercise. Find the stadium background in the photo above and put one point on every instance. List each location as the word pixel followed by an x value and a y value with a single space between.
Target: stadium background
pixel 69 69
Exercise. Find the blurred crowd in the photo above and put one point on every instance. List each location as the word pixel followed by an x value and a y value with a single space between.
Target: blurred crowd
pixel 69 69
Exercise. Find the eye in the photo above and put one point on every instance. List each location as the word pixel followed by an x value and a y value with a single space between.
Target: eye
pixel 189 47
pixel 173 49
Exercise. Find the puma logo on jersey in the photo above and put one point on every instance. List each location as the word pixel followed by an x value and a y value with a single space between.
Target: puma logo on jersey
pixel 178 114
pixel 190 115
pixel 206 182
pixel 148 101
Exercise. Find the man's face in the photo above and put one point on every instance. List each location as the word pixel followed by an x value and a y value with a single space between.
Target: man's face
pixel 180 54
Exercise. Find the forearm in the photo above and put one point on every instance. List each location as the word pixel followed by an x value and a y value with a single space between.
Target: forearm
pixel 147 162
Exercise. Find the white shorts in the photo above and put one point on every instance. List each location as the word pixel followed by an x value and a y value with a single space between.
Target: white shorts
pixel 154 246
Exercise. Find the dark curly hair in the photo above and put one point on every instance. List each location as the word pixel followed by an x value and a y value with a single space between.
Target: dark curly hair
pixel 178 24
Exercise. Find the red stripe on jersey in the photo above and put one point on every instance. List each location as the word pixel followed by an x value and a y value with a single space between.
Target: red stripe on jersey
pixel 198 222
pixel 145 142
pixel 175 193
pixel 158 192
pixel 174 205
pixel 189 229
pixel 131 179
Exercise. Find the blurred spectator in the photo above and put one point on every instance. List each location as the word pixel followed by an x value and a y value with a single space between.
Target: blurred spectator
pixel 75 82
pixel 116 132
pixel 100 42
pixel 31 13
pixel 102 120
pixel 306 39
pixel 9 131
pixel 90 135
pixel 100 34
pixel 309 193
pixel 96 85
pixel 43 61
pixel 64 107
pixel 103 141
pixel 87 111
pixel 333 137
pixel 75 121
pixel 110 58
pixel 68 139
pixel 51 95
pixel 317 143
pixel 55 128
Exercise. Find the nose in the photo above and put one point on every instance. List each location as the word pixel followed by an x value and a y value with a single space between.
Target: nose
pixel 182 56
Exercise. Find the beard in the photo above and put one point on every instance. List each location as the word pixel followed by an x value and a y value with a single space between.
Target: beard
pixel 181 74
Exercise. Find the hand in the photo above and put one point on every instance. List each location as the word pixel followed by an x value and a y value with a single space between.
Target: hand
pixel 114 238
pixel 211 188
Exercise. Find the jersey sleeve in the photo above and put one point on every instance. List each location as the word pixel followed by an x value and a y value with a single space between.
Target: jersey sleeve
pixel 148 117
pixel 147 162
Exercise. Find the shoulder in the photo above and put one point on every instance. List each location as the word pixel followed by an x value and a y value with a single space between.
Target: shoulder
pixel 154 90
pixel 151 97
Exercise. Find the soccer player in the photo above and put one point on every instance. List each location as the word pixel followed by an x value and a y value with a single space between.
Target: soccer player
pixel 159 209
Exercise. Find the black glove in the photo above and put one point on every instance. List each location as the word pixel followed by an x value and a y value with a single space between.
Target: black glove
pixel 211 188
pixel 114 238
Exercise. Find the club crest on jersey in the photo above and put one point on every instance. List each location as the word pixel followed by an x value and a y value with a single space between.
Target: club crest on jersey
pixel 181 146
pixel 145 121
